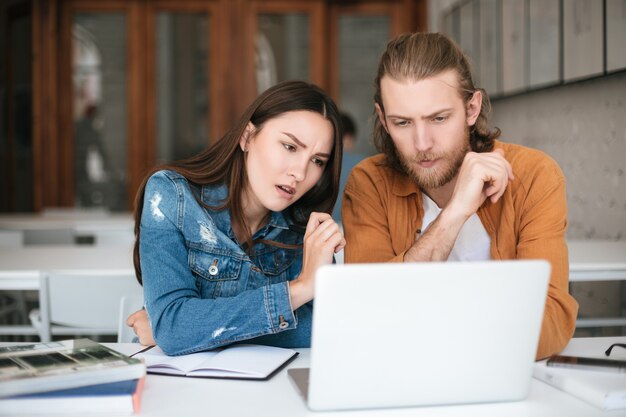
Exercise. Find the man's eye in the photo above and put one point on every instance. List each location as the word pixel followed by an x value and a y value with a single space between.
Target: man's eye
pixel 440 119
pixel 402 123
pixel 289 147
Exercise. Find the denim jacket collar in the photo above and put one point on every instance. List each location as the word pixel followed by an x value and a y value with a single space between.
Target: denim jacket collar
pixel 214 195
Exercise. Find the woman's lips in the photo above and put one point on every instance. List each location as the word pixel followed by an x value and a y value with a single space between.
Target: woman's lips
pixel 285 191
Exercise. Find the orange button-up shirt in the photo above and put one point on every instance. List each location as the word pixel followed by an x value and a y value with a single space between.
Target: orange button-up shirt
pixel 382 210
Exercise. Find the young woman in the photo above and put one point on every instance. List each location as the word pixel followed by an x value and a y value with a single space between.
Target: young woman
pixel 228 241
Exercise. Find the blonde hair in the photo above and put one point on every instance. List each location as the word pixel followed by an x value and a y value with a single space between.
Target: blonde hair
pixel 416 56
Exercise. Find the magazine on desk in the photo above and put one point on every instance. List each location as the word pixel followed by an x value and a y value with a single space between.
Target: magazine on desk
pixel 119 398
pixel 235 362
pixel 41 367
pixel 606 390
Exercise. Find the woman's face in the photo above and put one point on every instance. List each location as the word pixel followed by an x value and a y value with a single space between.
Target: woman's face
pixel 285 159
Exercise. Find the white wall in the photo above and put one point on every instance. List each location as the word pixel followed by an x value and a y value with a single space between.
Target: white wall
pixel 583 127
pixel 435 10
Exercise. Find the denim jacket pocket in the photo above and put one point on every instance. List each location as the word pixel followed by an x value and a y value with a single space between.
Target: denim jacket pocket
pixel 214 265
pixel 276 262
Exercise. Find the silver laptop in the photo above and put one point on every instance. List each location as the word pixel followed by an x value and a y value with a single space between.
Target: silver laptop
pixel 399 335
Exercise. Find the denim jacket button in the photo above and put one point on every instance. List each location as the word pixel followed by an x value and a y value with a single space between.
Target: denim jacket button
pixel 283 325
pixel 213 270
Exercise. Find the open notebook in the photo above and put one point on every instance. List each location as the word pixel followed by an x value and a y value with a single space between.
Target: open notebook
pixel 236 362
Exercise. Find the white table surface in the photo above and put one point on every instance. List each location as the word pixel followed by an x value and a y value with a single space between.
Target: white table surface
pixel 31 221
pixel 589 257
pixel 20 268
pixel 179 396
pixel 597 260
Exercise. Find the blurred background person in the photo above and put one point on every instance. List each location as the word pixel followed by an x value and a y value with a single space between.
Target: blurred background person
pixel 349 160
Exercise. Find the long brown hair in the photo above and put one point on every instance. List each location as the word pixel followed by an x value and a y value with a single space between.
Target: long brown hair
pixel 416 56
pixel 223 162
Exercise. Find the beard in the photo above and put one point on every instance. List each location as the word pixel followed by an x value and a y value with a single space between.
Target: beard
pixel 446 169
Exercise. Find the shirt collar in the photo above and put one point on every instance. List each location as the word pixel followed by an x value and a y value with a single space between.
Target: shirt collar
pixel 403 185
pixel 214 195
pixel 279 220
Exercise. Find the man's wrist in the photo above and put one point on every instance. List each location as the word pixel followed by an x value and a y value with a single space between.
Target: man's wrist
pixel 452 218
pixel 437 241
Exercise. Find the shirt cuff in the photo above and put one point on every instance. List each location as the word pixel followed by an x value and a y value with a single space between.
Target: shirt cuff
pixel 278 304
pixel 399 257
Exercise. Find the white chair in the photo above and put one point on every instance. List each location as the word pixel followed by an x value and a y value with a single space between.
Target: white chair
pixel 12 303
pixel 114 237
pixel 82 302
pixel 11 238
pixel 13 307
pixel 128 305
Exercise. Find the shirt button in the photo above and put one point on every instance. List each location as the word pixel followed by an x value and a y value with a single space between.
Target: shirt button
pixel 283 325
pixel 213 270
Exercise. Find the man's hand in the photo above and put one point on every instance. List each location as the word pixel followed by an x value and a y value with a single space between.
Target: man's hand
pixel 481 176
pixel 141 326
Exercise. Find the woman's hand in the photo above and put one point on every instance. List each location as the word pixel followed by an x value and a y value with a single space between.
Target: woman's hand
pixel 141 326
pixel 322 239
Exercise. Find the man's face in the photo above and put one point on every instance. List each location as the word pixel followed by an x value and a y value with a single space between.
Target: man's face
pixel 429 125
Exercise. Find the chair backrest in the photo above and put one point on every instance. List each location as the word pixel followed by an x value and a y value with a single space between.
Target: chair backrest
pixel 85 300
pixel 128 305
pixel 61 236
pixel 114 237
pixel 11 238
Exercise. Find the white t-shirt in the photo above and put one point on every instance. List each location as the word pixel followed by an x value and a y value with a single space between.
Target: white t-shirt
pixel 473 241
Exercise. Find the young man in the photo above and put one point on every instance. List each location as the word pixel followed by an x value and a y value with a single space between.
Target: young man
pixel 445 189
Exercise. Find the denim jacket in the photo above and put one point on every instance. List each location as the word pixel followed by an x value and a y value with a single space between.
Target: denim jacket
pixel 201 289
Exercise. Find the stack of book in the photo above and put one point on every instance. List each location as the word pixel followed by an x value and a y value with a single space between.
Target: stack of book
pixel 73 376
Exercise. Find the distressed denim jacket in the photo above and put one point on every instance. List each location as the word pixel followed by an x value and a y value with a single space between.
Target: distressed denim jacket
pixel 201 289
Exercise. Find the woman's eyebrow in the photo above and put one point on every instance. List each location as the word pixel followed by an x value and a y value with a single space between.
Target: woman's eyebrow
pixel 299 143
pixel 295 139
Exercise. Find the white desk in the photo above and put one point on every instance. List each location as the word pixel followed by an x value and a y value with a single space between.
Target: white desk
pixel 21 268
pixel 81 225
pixel 177 396
pixel 597 260
pixel 29 221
